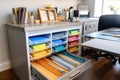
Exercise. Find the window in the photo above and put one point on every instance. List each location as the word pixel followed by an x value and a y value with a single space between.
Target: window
pixel 98 8
pixel 106 7
pixel 111 7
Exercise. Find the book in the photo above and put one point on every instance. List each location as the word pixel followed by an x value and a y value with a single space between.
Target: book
pixel 21 14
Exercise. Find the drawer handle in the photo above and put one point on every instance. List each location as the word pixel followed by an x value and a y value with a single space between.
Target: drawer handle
pixel 75 75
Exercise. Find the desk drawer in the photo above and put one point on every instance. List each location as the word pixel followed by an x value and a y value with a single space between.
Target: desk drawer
pixel 77 71
pixel 67 75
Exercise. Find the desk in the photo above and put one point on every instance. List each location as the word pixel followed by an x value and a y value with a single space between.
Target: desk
pixel 106 41
pixel 107 34
pixel 105 45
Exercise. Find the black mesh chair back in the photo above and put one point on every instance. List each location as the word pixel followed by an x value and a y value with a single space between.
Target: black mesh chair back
pixel 108 21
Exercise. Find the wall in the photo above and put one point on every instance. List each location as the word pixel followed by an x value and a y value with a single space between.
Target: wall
pixel 91 4
pixel 32 5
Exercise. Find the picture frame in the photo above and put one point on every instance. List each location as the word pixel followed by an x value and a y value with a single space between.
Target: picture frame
pixel 52 15
pixel 47 15
pixel 42 15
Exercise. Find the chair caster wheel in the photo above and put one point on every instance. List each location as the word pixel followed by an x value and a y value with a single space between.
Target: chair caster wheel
pixel 114 61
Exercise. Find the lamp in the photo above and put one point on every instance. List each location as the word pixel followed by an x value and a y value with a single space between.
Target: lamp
pixel 69 12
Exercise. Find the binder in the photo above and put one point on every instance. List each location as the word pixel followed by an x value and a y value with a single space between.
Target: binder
pixel 72 61
pixel 43 71
pixel 47 65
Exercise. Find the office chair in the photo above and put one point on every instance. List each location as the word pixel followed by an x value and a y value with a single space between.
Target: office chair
pixel 108 21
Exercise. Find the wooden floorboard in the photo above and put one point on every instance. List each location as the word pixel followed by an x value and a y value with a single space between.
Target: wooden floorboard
pixel 103 69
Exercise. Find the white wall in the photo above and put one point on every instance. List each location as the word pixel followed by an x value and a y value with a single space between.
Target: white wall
pixel 91 5
pixel 32 5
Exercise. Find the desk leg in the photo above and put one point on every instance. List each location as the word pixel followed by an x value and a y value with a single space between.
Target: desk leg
pixel 113 59
pixel 119 60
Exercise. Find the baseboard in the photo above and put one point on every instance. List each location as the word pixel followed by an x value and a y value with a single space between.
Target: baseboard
pixel 5 66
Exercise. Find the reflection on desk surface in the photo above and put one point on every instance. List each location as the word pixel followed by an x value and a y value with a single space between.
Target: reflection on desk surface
pixel 112 34
pixel 105 45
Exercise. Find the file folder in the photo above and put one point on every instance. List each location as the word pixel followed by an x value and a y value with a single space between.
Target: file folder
pixel 77 58
pixel 72 38
pixel 74 32
pixel 38 39
pixel 41 54
pixel 72 61
pixel 59 35
pixel 38 47
pixel 73 43
pixel 62 62
pixel 43 71
pixel 46 65
pixel 57 42
pixel 59 48
pixel 73 49
pixel 55 64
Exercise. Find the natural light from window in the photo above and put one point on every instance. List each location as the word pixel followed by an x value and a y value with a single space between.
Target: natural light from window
pixel 111 7
pixel 106 7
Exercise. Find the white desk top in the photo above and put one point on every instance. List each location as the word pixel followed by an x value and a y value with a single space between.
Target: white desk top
pixel 105 45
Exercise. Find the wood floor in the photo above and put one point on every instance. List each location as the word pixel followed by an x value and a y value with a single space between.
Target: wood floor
pixel 103 69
